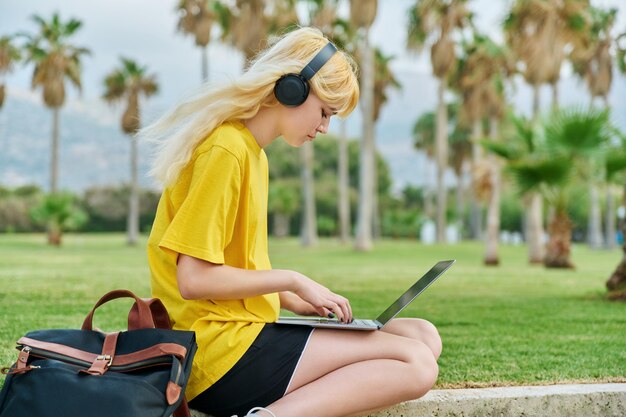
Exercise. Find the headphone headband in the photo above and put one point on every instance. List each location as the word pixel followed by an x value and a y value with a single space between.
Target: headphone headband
pixel 318 61
pixel 293 89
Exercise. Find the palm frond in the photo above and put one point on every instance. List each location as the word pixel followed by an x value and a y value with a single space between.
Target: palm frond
pixel 615 163
pixel 501 149
pixel 578 132
pixel 531 175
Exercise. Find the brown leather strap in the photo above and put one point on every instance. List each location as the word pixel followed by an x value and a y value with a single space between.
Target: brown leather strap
pixel 154 351
pixel 160 317
pixel 182 410
pixel 102 362
pixel 144 315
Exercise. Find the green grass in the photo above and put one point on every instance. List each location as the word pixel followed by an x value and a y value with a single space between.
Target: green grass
pixel 511 325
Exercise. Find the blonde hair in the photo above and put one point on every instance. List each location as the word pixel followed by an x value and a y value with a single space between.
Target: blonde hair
pixel 179 132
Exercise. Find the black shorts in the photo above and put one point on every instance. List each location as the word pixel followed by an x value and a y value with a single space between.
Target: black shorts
pixel 260 377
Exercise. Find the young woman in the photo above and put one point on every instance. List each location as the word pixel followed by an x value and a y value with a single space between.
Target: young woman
pixel 209 258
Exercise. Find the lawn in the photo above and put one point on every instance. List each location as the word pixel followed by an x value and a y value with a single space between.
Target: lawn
pixel 509 325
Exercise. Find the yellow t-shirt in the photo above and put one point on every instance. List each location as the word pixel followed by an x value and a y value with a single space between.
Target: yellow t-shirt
pixel 216 211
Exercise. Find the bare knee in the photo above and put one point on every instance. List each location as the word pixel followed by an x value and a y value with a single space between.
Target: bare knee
pixel 431 336
pixel 418 329
pixel 423 372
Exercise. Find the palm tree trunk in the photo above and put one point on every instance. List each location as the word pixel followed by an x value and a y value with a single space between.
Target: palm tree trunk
pixel 617 280
pixel 376 224
pixel 205 63
pixel 534 214
pixel 308 235
pixel 555 96
pixel 536 107
pixel 558 248
pixel 594 239
pixel 54 231
pixel 54 155
pixel 133 201
pixel 281 225
pixel 363 240
pixel 344 186
pixel 535 229
pixel 475 209
pixel 441 155
pixel 493 209
pixel 460 199
pixel 610 219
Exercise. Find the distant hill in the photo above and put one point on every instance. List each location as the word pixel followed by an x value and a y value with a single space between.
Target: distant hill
pixel 94 151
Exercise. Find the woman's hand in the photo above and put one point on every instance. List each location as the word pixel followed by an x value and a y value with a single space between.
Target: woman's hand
pixel 290 301
pixel 323 300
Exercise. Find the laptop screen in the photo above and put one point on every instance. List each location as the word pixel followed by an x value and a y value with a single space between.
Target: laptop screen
pixel 415 290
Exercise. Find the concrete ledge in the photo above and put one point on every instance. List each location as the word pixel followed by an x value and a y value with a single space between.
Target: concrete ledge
pixel 580 400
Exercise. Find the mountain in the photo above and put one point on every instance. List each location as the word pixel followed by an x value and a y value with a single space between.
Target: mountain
pixel 94 151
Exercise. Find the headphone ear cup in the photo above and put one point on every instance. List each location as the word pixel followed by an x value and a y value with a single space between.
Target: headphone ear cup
pixel 291 90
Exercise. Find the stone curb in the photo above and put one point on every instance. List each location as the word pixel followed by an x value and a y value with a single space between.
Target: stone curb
pixel 576 400
pixel 579 400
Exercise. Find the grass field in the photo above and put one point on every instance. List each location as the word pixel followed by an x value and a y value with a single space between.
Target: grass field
pixel 510 325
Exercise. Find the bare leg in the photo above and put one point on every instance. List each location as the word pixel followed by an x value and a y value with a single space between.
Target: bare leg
pixel 345 373
pixel 418 329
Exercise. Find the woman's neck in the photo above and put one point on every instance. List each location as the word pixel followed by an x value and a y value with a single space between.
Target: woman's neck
pixel 264 126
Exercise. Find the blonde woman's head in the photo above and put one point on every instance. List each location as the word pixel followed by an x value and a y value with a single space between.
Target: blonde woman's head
pixel 180 132
pixel 335 83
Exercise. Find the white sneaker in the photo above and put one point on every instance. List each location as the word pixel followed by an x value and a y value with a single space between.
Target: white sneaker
pixel 252 413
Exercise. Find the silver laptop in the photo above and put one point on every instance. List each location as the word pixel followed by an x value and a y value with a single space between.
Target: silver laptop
pixel 392 311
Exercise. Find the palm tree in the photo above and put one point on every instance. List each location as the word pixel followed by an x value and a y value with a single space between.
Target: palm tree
pixel 323 15
pixel 460 149
pixel 343 36
pixel 248 27
pixel 614 166
pixel 59 212
pixel 284 202
pixel 9 55
pixel 617 280
pixel 384 78
pixel 125 84
pixel 593 62
pixel 196 18
pixel 538 31
pixel 362 16
pixel 481 75
pixel 434 21
pixel 55 60
pixel 551 162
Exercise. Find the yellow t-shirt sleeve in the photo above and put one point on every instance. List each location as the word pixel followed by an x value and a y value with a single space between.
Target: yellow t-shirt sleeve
pixel 203 226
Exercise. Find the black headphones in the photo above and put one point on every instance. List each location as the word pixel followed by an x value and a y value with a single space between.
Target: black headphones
pixel 293 89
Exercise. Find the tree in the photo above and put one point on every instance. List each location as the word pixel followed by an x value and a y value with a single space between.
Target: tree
pixel 537 32
pixel 284 202
pixel 196 18
pixel 460 148
pixel 125 84
pixel 593 62
pixel 9 55
pixel 550 162
pixel 482 72
pixel 55 60
pixel 434 21
pixel 59 212
pixel 362 16
pixel 616 164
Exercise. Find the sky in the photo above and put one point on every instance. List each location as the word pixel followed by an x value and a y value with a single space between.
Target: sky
pixel 145 30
